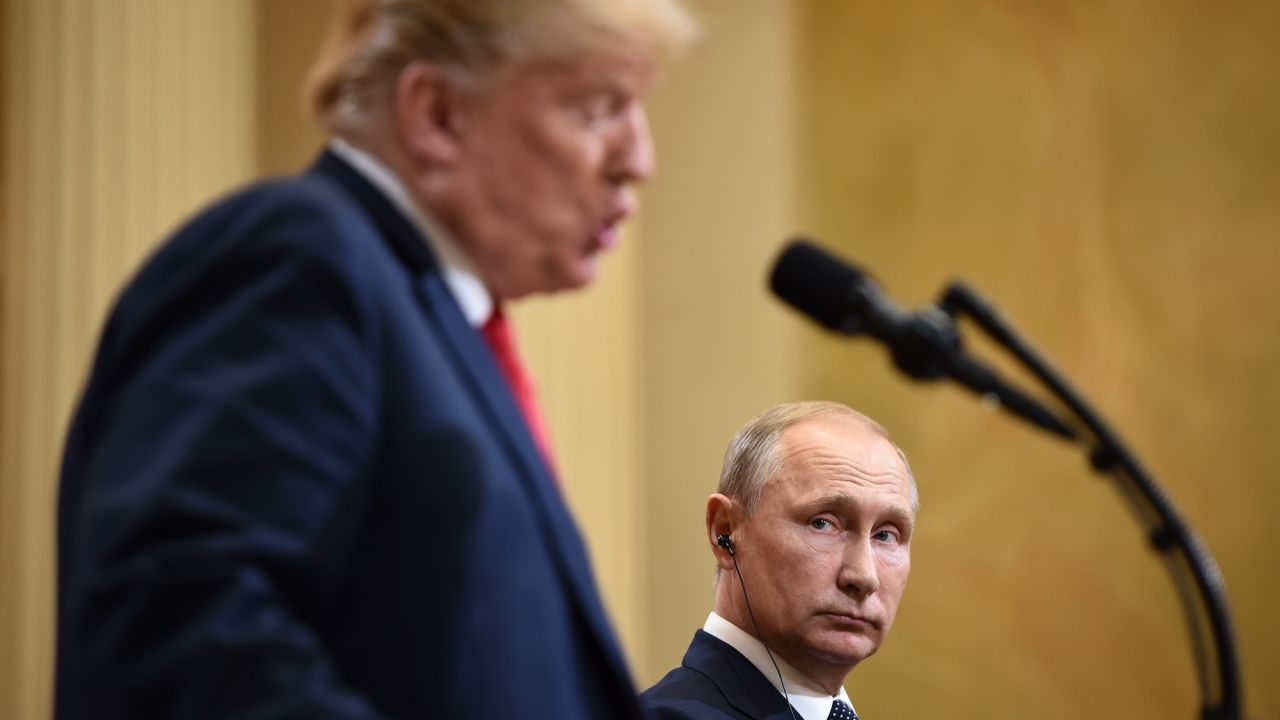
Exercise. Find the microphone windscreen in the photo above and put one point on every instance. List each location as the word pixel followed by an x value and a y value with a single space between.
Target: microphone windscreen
pixel 817 284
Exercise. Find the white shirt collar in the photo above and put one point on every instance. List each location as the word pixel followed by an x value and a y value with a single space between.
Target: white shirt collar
pixel 810 702
pixel 459 272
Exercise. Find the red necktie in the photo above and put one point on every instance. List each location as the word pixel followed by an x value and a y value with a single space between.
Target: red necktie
pixel 497 332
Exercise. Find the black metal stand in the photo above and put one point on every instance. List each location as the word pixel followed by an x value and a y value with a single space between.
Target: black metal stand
pixel 1195 574
pixel 926 345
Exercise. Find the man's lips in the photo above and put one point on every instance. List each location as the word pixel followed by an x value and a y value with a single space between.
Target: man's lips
pixel 851 621
pixel 609 232
pixel 607 236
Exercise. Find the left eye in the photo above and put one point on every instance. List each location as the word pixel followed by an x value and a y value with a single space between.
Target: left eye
pixel 885 536
pixel 599 107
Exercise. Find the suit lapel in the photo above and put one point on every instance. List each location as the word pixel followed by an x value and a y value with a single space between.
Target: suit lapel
pixel 471 355
pixel 744 688
pixel 474 361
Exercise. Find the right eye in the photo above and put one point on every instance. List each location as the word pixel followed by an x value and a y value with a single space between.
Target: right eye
pixel 822 524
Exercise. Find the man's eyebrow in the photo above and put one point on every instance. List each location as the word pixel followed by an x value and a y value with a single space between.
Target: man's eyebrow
pixel 894 513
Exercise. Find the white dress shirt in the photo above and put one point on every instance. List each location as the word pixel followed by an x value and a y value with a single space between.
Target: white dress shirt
pixel 810 703
pixel 459 272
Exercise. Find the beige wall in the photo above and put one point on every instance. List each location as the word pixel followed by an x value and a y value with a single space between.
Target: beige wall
pixel 289 35
pixel 1106 172
pixel 1109 174
pixel 119 117
pixel 716 351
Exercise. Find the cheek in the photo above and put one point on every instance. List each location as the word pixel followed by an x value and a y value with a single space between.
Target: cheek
pixel 893 576
pixel 560 156
pixel 894 558
pixel 791 567
pixel 815 567
pixel 518 168
pixel 553 191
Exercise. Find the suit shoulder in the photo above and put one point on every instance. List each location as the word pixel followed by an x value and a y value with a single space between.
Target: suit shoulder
pixel 686 694
pixel 305 213
pixel 300 239
pixel 303 225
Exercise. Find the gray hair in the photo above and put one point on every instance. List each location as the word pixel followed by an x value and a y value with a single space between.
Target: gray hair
pixel 754 458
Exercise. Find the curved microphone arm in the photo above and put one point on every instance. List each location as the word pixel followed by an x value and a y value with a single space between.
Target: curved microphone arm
pixel 1195 573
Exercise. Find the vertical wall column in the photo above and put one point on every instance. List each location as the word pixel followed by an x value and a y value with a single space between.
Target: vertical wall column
pixel 119 118
pixel 716 350
pixel 584 350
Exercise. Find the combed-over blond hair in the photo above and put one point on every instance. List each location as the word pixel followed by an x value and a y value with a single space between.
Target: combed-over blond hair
pixel 371 41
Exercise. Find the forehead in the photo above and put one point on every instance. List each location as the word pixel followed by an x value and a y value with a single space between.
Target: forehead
pixel 841 454
pixel 626 68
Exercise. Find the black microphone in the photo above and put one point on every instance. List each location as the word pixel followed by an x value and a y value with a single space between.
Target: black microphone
pixel 925 344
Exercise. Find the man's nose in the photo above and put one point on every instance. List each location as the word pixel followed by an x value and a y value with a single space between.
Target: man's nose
pixel 633 159
pixel 858 573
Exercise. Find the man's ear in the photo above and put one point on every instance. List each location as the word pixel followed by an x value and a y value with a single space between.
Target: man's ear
pixel 722 518
pixel 427 107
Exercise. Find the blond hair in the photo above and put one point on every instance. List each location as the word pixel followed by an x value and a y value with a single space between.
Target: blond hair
pixel 754 458
pixel 371 41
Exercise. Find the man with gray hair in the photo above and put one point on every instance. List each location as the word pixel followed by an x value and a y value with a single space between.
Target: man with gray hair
pixel 308 478
pixel 811 531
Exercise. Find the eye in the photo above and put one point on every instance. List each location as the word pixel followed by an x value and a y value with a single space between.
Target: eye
pixel 886 536
pixel 607 110
pixel 599 107
pixel 822 524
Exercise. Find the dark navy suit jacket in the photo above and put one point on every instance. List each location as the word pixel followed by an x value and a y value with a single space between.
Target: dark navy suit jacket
pixel 297 486
pixel 715 682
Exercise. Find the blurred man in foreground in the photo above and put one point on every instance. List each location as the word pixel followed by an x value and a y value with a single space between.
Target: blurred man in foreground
pixel 308 477
pixel 811 530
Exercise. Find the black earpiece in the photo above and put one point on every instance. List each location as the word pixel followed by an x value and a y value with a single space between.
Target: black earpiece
pixel 725 542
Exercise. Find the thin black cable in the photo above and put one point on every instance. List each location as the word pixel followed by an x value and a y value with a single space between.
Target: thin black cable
pixel 742 584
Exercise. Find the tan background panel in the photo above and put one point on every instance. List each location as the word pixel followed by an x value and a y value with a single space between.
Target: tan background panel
pixel 1107 173
pixel 118 118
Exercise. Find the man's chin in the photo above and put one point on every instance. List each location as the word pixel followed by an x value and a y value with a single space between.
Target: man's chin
pixel 581 274
pixel 575 278
pixel 845 648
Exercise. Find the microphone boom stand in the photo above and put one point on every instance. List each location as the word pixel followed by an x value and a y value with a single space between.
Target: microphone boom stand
pixel 1195 574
